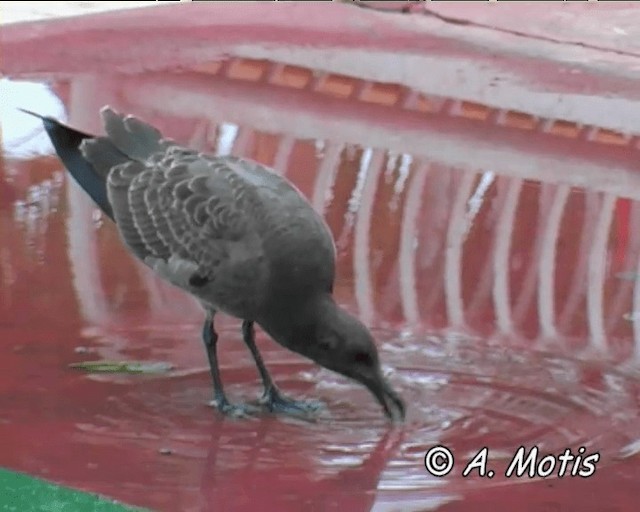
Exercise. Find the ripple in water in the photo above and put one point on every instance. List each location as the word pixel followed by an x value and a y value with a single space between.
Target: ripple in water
pixel 460 393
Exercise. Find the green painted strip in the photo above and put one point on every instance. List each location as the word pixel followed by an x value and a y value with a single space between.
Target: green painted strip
pixel 22 493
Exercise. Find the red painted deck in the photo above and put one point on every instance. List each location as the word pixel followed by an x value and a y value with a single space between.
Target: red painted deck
pixel 486 215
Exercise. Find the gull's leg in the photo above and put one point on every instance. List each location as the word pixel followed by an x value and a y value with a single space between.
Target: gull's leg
pixel 272 398
pixel 220 402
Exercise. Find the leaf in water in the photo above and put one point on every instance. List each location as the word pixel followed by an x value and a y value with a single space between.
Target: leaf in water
pixel 122 366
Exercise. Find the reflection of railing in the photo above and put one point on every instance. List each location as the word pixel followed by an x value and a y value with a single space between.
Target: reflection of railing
pixel 556 156
pixel 441 55
pixel 333 85
pixel 516 222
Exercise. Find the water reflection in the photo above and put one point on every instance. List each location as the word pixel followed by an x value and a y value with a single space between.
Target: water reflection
pixel 487 259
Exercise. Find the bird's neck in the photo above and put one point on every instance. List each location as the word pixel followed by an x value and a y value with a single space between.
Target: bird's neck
pixel 295 320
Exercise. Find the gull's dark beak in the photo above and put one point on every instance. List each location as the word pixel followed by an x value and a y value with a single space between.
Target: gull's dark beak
pixel 391 403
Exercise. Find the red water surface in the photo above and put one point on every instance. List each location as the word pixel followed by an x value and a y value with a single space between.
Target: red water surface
pixel 497 266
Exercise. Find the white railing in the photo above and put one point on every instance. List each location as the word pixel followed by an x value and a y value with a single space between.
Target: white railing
pixel 464 151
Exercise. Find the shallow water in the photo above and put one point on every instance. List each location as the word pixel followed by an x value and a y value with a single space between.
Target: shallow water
pixel 502 300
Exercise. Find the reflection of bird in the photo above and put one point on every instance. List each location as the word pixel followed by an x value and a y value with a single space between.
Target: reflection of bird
pixel 235 235
pixel 310 475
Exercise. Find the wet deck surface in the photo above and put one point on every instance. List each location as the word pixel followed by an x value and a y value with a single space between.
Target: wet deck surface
pixel 499 275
